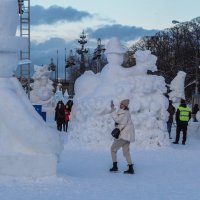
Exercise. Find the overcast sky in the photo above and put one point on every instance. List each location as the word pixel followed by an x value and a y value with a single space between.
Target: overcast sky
pixel 58 24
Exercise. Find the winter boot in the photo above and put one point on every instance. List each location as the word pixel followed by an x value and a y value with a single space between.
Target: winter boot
pixel 130 170
pixel 114 168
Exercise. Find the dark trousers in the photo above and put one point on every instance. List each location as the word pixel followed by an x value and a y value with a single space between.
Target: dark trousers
pixel 59 126
pixel 169 128
pixel 65 126
pixel 181 126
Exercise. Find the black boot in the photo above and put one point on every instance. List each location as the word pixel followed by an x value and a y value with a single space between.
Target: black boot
pixel 114 168
pixel 175 142
pixel 130 170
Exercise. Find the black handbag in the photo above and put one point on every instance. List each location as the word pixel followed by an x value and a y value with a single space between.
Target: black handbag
pixel 115 133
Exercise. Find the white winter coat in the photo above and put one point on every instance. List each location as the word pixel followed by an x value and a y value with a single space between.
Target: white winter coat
pixel 125 124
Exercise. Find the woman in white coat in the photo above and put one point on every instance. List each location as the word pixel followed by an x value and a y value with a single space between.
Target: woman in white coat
pixel 127 135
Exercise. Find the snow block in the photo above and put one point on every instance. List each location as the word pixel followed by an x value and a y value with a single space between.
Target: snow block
pixel 22 165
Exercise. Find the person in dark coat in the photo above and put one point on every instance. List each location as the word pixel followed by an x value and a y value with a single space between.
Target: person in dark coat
pixel 183 115
pixel 171 109
pixel 60 115
pixel 195 109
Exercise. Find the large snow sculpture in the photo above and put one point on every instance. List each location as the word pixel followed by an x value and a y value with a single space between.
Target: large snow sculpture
pixel 91 121
pixel 28 147
pixel 42 87
pixel 177 87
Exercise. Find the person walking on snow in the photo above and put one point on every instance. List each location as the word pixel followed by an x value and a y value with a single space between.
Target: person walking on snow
pixel 127 135
pixel 195 109
pixel 171 110
pixel 60 115
pixel 183 115
pixel 67 117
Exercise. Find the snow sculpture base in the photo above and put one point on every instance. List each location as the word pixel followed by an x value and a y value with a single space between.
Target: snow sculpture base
pixel 22 165
pixel 28 147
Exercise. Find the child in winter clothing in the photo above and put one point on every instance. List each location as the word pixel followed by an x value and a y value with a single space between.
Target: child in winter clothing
pixel 67 117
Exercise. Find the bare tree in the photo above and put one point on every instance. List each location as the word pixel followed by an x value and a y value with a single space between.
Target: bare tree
pixel 177 48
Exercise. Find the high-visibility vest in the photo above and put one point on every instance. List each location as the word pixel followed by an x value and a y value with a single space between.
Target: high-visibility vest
pixel 184 113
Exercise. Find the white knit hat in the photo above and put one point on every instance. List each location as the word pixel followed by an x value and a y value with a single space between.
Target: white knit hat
pixel 125 102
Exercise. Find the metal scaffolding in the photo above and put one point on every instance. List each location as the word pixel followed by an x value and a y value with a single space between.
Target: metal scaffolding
pixel 24 12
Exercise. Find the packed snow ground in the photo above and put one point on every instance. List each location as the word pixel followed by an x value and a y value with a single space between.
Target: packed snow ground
pixel 167 173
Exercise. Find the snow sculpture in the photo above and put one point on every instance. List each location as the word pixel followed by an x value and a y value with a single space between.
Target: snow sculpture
pixel 146 60
pixel 28 147
pixel 177 88
pixel 65 97
pixel 42 87
pixel 58 96
pixel 91 121
pixel 198 116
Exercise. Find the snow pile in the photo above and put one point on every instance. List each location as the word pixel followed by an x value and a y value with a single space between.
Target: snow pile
pixel 28 147
pixel 91 122
pixel 42 87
